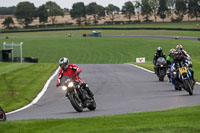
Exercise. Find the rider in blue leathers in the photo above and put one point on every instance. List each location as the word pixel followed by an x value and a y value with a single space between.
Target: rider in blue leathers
pixel 179 61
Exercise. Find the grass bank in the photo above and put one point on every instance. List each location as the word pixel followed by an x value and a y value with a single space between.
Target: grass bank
pixel 21 82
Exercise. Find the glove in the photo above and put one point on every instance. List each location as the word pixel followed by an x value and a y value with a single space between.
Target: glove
pixel 58 84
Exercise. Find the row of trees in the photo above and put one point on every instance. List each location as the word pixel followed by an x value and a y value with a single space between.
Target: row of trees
pixel 26 12
pixel 165 8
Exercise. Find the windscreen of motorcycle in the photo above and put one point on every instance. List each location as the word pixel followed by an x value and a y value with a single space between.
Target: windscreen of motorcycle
pixel 161 60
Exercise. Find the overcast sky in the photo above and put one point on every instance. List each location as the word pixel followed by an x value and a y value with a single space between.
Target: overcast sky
pixel 64 3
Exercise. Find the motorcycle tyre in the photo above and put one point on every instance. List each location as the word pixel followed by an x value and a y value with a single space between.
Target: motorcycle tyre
pixel 188 87
pixel 161 79
pixel 3 115
pixel 75 104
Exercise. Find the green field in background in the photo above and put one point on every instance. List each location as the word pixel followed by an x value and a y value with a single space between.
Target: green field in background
pixel 105 50
pixel 183 25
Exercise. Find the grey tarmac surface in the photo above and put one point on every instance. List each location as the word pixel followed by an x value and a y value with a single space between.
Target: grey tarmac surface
pixel 128 36
pixel 155 37
pixel 118 88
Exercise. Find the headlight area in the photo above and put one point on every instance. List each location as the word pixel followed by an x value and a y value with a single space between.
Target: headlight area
pixel 64 88
pixel 71 84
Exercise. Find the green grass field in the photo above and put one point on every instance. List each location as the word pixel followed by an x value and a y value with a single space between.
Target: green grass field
pixel 183 25
pixel 21 82
pixel 99 50
pixel 183 120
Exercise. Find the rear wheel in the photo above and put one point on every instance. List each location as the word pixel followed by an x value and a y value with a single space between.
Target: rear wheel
pixel 176 88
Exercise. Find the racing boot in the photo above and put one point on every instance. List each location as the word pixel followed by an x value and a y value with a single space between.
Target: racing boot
pixel 85 87
pixel 155 70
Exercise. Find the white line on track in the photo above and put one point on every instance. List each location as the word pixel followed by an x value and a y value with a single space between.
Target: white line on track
pixel 39 95
pixel 149 70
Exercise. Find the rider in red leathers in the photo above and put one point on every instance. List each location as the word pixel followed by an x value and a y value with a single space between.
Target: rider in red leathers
pixel 183 52
pixel 72 71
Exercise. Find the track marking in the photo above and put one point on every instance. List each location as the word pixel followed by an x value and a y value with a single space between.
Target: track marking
pixel 38 96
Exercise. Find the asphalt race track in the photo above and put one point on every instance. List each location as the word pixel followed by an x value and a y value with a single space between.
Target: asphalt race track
pixel 118 88
pixel 126 36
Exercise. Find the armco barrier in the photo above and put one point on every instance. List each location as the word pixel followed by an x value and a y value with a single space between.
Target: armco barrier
pixel 31 59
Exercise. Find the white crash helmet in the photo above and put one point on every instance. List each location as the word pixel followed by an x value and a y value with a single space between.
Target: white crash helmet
pixel 64 63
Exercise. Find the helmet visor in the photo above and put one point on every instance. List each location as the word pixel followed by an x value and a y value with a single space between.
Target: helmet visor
pixel 63 66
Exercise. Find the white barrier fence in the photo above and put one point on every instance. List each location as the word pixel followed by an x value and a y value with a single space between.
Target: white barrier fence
pixel 11 46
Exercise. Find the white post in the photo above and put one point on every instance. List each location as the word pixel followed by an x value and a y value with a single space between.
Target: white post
pixel 21 51
pixel 12 51
pixel 4 45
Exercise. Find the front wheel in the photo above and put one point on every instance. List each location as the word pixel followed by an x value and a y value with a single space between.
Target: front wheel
pixel 161 78
pixel 2 115
pixel 76 102
pixel 188 87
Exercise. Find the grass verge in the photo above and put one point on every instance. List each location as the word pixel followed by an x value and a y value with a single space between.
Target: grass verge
pixel 21 82
pixel 182 120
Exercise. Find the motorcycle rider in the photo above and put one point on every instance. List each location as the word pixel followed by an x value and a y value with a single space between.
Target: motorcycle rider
pixel 179 61
pixel 72 71
pixel 184 53
pixel 169 59
pixel 158 54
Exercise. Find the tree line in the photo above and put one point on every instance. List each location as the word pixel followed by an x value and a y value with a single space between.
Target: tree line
pixel 26 12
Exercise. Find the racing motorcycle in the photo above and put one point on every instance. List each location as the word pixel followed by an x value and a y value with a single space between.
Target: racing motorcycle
pixel 184 80
pixel 161 68
pixel 2 115
pixel 78 96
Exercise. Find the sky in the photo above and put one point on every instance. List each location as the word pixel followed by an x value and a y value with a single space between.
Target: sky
pixel 64 3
